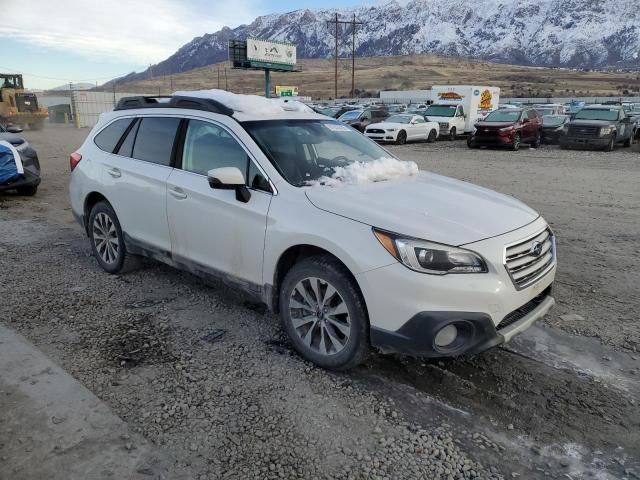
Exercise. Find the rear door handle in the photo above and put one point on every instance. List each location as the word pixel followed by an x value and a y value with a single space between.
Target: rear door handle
pixel 177 193
pixel 114 172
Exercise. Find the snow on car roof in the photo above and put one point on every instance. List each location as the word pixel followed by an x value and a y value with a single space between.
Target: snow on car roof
pixel 252 106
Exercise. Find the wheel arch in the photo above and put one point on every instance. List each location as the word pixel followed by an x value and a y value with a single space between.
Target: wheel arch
pixel 89 202
pixel 294 254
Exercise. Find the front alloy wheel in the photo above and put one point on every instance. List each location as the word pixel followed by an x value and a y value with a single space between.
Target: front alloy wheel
pixel 323 313
pixel 320 316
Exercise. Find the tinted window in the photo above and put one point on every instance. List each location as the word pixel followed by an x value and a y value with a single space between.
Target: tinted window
pixel 126 148
pixel 154 141
pixel 207 146
pixel 108 138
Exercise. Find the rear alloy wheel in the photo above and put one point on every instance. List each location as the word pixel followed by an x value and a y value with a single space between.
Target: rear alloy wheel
pixel 401 139
pixel 515 146
pixel 324 314
pixel 452 133
pixel 432 136
pixel 107 240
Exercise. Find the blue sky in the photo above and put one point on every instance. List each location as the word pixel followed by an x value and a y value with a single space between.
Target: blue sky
pixel 53 43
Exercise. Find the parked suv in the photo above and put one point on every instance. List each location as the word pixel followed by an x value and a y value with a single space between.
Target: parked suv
pixel 352 247
pixel 599 126
pixel 508 127
pixel 361 119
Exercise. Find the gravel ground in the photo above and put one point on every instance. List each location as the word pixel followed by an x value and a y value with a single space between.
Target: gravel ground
pixel 209 377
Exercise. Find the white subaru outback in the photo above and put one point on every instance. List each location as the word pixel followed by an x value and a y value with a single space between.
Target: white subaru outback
pixel 352 247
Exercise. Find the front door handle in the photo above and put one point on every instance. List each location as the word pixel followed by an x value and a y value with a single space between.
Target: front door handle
pixel 177 193
pixel 114 172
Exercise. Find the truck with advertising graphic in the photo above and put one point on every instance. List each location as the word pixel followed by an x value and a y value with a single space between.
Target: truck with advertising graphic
pixel 456 108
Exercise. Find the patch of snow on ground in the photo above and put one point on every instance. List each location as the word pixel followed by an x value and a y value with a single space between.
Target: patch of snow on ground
pixel 252 104
pixel 359 173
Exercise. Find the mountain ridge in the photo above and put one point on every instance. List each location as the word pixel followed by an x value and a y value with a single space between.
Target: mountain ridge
pixel 549 33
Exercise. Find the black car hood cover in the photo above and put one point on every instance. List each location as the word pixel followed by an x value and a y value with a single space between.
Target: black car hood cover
pixel 14 140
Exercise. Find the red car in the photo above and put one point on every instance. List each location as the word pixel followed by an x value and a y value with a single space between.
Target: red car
pixel 508 127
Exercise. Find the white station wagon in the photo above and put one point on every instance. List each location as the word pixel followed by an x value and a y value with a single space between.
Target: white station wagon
pixel 353 248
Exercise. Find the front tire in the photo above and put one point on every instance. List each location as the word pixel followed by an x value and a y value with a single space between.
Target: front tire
pixel 452 134
pixel 323 313
pixel 28 191
pixel 471 143
pixel 515 146
pixel 432 136
pixel 536 142
pixel 611 145
pixel 107 240
pixel 401 139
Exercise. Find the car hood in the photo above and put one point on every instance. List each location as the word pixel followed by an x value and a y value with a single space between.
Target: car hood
pixel 384 125
pixel 494 125
pixel 426 206
pixel 592 123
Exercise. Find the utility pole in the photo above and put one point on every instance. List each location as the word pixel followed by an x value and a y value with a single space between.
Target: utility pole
pixel 354 23
pixel 218 77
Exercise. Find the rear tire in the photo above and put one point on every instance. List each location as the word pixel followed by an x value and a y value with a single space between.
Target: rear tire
pixel 107 240
pixel 629 141
pixel 452 133
pixel 311 290
pixel 536 142
pixel 28 191
pixel 432 136
pixel 471 142
pixel 401 139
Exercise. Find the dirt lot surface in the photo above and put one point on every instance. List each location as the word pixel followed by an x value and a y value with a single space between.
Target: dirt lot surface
pixel 209 378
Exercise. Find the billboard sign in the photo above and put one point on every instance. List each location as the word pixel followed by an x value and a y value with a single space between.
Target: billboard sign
pixel 271 52
pixel 284 91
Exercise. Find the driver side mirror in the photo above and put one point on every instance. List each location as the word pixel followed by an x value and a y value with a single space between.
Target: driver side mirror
pixel 14 129
pixel 229 178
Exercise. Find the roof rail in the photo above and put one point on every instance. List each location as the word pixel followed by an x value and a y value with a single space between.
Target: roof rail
pixel 177 101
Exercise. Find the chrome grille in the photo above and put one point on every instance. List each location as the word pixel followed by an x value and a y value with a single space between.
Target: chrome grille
pixel 444 125
pixel 586 131
pixel 529 260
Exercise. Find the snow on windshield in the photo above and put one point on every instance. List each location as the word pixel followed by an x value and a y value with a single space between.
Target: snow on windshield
pixel 359 173
pixel 251 104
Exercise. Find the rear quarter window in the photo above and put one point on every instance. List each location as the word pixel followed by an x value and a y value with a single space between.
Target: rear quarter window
pixel 109 137
pixel 154 140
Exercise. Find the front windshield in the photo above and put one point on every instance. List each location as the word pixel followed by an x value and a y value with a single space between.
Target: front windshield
pixel 553 120
pixel 352 115
pixel 441 111
pixel 504 115
pixel 399 119
pixel 598 114
pixel 305 150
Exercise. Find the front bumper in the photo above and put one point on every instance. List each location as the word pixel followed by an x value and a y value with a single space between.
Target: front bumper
pixel 382 137
pixel 585 142
pixel 415 306
pixel 476 331
pixel 28 179
pixel 492 140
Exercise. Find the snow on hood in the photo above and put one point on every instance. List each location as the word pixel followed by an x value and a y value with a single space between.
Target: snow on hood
pixel 250 104
pixel 359 173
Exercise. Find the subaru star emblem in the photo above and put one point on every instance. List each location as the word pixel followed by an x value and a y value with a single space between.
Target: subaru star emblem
pixel 536 249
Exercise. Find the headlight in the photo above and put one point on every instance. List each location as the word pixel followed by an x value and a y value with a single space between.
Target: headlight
pixel 428 257
pixel 391 129
pixel 565 129
pixel 606 131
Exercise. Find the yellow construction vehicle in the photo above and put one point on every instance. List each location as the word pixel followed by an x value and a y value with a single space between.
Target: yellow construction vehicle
pixel 17 106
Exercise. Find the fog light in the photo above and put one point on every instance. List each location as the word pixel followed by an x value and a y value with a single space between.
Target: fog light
pixel 446 336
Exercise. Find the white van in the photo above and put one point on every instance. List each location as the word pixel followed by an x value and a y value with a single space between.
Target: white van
pixel 457 108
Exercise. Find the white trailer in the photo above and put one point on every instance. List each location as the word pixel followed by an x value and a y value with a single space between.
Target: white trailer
pixel 457 108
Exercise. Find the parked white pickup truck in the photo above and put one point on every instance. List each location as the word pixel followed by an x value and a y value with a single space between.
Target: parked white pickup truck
pixel 457 108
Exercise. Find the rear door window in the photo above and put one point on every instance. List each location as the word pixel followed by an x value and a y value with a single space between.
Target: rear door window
pixel 126 147
pixel 155 138
pixel 109 137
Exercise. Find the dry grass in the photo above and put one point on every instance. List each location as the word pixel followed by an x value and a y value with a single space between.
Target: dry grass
pixel 399 73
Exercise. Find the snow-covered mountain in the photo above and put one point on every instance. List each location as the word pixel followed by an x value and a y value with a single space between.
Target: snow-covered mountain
pixel 573 33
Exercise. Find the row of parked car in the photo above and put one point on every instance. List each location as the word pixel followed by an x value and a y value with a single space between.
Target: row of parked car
pixel 585 126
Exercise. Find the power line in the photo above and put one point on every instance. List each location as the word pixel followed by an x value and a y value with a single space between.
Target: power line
pixel 353 24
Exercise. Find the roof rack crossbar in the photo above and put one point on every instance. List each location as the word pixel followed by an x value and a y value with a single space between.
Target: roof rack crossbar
pixel 176 101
